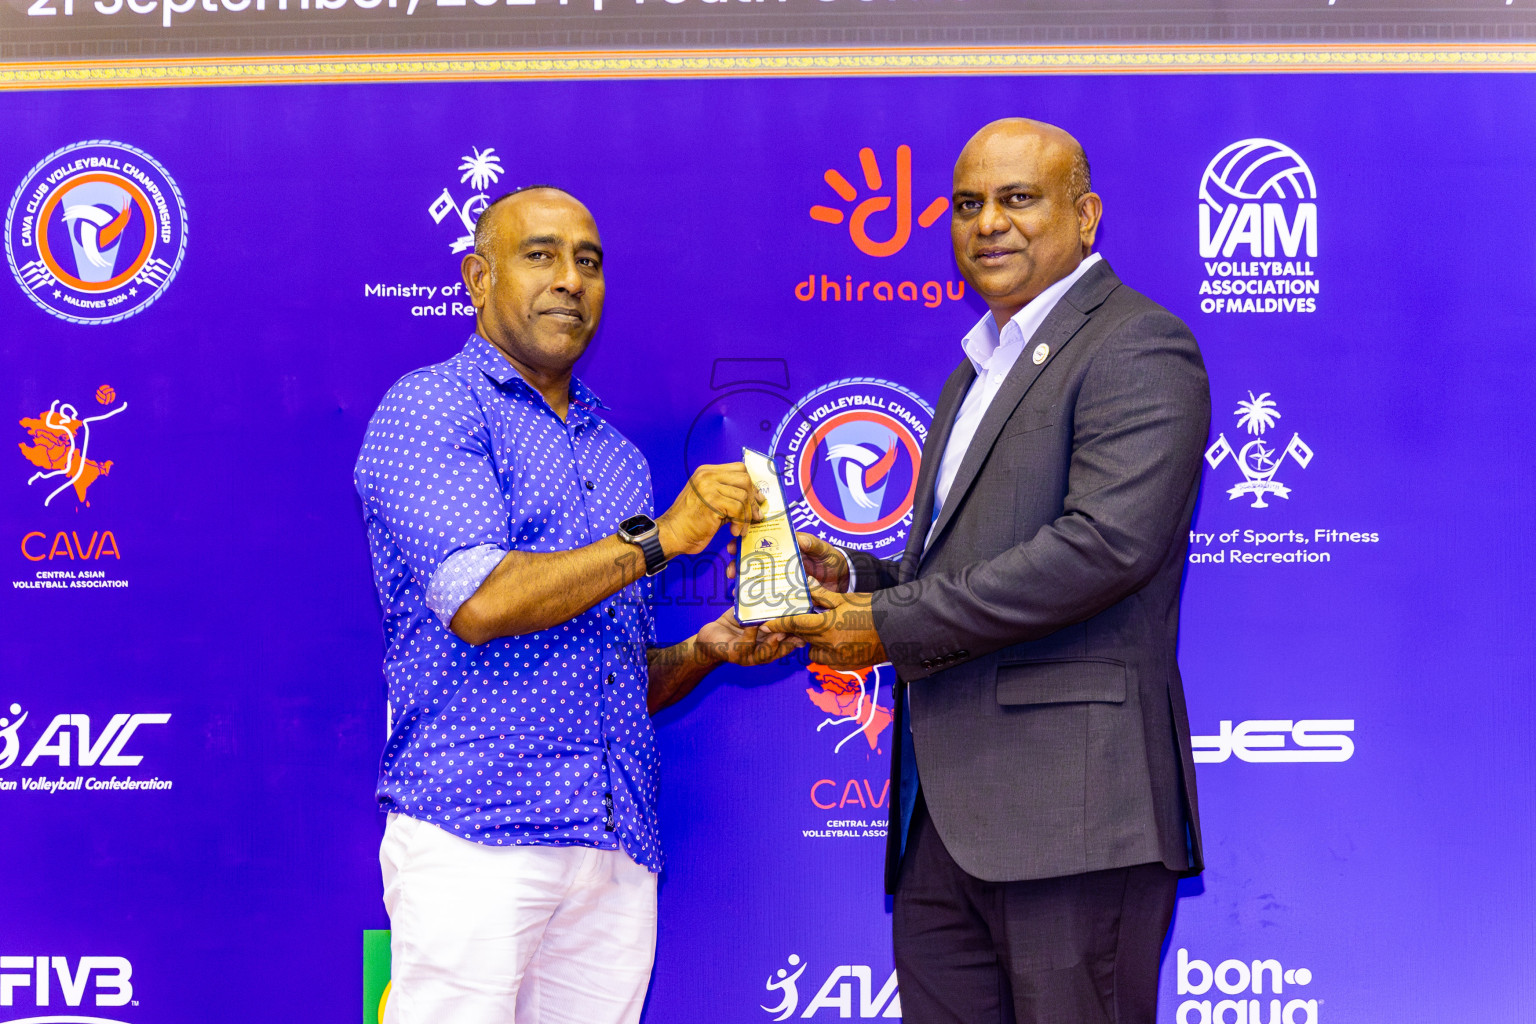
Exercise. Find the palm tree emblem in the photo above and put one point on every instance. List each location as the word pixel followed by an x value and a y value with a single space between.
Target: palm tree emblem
pixel 1257 414
pixel 1256 459
pixel 481 169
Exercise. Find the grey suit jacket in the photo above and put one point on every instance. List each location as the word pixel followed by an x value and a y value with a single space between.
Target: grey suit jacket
pixel 1036 637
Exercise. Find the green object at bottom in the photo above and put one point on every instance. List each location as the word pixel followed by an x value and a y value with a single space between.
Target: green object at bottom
pixel 375 972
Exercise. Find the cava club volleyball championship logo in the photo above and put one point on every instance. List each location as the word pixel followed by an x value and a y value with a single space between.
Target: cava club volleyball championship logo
pixel 848 455
pixel 96 232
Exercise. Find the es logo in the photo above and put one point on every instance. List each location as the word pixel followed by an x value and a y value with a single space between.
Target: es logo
pixel 1278 740
pixel 1237 979
pixel 59 981
pixel 836 993
pixel 70 739
pixel 1258 194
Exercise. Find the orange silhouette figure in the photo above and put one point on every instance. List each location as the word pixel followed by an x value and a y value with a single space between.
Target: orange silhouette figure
pixel 847 695
pixel 54 450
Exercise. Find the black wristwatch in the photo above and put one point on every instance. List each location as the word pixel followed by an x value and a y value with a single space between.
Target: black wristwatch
pixel 642 531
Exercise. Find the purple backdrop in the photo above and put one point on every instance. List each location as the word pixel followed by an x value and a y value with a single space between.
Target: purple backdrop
pixel 1364 701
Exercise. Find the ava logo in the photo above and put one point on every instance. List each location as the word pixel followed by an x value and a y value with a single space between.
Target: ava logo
pixel 62 981
pixel 1257 205
pixel 848 455
pixel 96 232
pixel 1251 988
pixel 61 446
pixel 858 222
pixel 836 993
pixel 481 169
pixel 1257 460
pixel 1278 741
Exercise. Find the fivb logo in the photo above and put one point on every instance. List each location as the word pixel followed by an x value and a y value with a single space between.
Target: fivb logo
pixel 1237 979
pixel 836 993
pixel 1278 741
pixel 1258 230
pixel 43 981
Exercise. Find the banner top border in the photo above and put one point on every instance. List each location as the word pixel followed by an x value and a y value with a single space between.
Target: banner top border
pixel 761 63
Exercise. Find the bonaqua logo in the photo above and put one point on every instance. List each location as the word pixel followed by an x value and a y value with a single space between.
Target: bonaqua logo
pixel 1256 991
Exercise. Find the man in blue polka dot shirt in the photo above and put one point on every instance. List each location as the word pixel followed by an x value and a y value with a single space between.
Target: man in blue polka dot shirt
pixel 509 528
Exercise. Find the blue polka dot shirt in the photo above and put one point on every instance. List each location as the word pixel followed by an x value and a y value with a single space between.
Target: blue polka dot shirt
pixel 540 739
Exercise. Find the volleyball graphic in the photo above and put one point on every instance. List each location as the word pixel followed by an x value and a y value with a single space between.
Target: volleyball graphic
pixel 105 394
pixel 1256 169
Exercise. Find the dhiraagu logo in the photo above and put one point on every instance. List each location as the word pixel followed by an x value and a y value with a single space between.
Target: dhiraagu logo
pixel 880 213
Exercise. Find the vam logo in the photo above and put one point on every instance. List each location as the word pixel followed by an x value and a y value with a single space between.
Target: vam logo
pixel 1257 461
pixel 836 993
pixel 48 981
pixel 1278 741
pixel 1237 979
pixel 1257 205
pixel 96 232
pixel 481 169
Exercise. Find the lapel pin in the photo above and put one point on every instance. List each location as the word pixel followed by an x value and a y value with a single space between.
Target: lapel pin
pixel 1041 351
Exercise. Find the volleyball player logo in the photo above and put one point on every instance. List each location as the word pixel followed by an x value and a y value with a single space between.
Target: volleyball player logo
pixel 96 232
pixel 1258 192
pixel 849 454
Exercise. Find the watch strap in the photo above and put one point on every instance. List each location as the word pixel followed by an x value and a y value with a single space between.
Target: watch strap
pixel 655 557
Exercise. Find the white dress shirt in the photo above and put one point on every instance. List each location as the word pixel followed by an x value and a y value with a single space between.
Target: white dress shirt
pixel 993 354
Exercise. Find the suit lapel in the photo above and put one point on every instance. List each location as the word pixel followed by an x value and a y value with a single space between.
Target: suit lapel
pixel 933 451
pixel 1058 328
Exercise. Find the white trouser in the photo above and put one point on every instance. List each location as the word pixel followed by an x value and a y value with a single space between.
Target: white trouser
pixel 504 934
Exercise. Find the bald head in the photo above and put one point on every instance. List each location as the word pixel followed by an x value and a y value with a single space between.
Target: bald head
pixel 1079 177
pixel 1024 215
pixel 485 232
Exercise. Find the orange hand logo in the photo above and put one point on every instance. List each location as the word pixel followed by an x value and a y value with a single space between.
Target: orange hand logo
pixel 877 204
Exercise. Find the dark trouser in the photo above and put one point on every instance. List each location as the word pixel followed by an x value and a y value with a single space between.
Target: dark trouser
pixel 1082 949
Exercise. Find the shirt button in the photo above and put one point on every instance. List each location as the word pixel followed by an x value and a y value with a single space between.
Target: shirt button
pixel 590 485
pixel 612 614
pixel 610 679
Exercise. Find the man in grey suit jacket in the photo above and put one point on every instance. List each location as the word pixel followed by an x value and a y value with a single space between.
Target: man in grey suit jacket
pixel 1046 786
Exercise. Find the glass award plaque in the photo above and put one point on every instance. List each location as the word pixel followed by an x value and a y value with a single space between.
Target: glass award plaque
pixel 770 578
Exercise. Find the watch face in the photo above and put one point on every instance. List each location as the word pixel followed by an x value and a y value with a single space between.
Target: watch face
pixel 637 525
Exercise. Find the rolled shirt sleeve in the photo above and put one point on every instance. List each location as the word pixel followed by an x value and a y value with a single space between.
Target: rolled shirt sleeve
pixel 457 579
pixel 426 473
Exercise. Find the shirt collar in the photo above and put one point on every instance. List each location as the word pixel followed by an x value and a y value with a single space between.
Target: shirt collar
pixel 984 340
pixel 496 366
